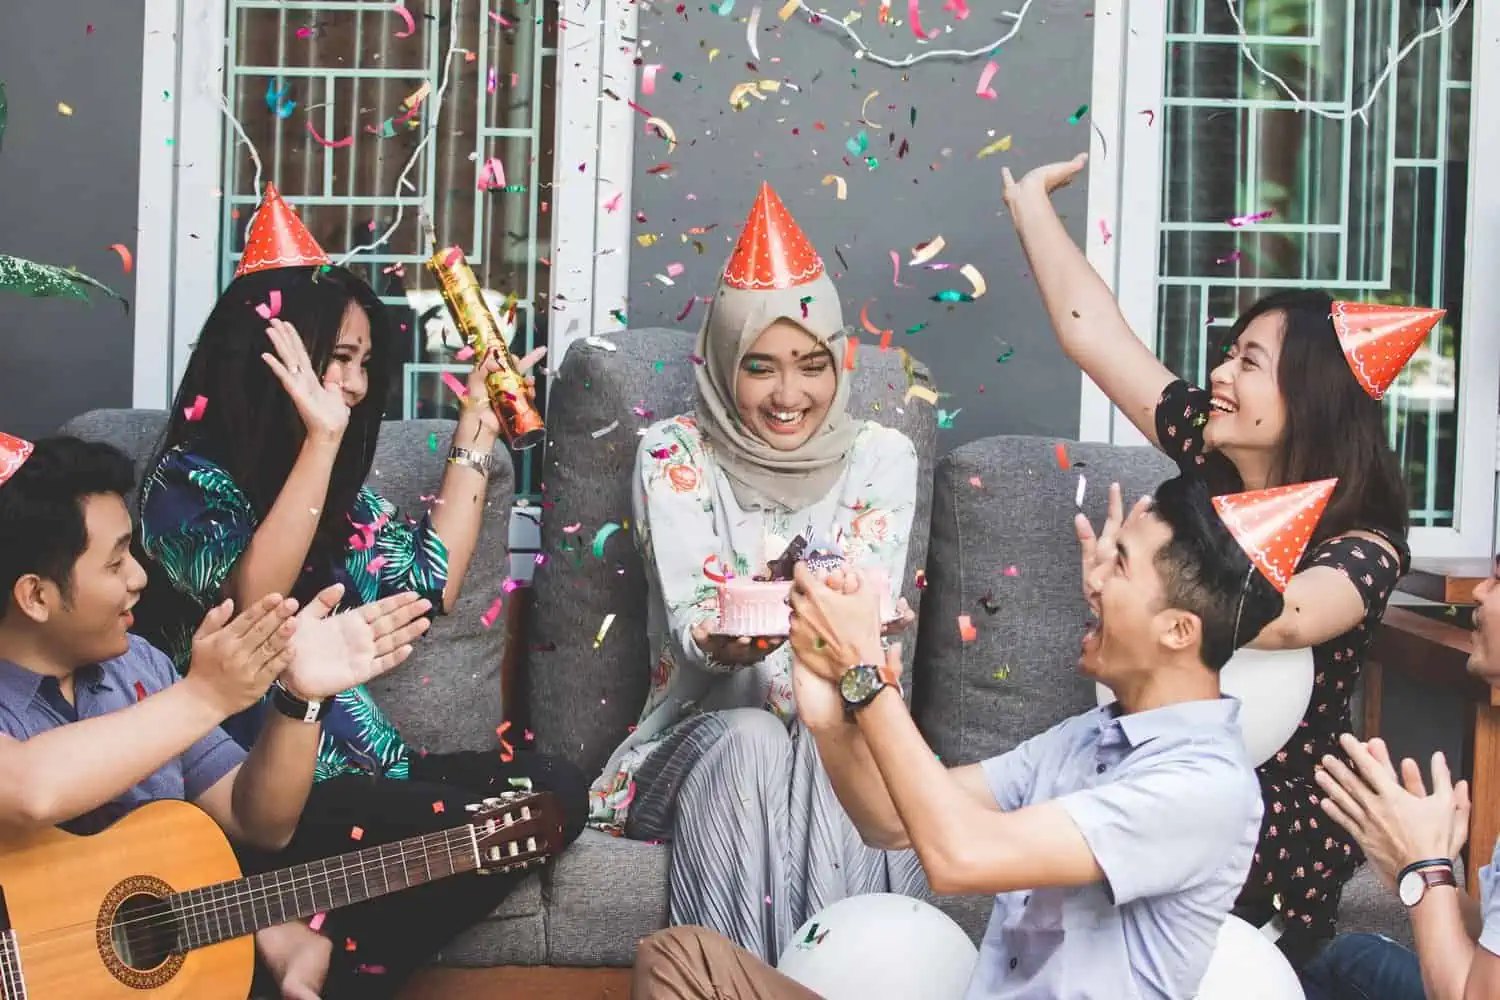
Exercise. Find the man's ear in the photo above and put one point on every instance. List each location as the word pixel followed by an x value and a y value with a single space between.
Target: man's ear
pixel 1179 631
pixel 35 597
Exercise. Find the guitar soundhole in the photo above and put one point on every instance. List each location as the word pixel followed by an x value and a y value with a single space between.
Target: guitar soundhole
pixel 139 935
pixel 144 932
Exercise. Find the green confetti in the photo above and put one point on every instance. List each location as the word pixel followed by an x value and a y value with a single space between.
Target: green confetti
pixel 26 277
pixel 914 116
pixel 1077 116
pixel 432 444
pixel 945 418
pixel 1006 354
pixel 952 295
pixel 659 366
pixel 677 77
pixel 619 315
pixel 858 145
pixel 871 163
pixel 1003 674
pixel 602 536
pixel 722 9
pixel 524 784
pixel 916 329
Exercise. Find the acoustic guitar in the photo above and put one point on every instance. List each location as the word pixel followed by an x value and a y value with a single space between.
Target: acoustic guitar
pixel 155 906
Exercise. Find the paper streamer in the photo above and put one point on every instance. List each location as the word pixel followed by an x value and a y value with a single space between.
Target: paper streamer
pixel 492 613
pixel 457 387
pixel 603 536
pixel 596 435
pixel 666 130
pixel 752 31
pixel 975 278
pixel 864 105
pixel 648 78
pixel 896 270
pixel 958 8
pixel 326 144
pixel 127 261
pixel 915 17
pixel 843 187
pixel 609 620
pixel 271 308
pixel 984 89
pixel 924 252
pixel 717 577
pixel 920 392
pixel 405 15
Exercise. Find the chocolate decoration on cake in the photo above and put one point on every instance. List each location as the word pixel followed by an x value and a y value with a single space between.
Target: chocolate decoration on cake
pixel 782 567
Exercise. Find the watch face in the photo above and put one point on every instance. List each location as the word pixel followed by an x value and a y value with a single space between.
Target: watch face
pixel 858 684
pixel 1412 888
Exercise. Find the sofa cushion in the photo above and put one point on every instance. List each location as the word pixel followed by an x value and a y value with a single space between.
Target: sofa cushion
pixel 583 699
pixel 1004 552
pixel 603 895
pixel 447 696
pixel 515 934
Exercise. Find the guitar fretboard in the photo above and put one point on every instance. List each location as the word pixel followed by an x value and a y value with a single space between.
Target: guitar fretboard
pixel 12 985
pixel 234 909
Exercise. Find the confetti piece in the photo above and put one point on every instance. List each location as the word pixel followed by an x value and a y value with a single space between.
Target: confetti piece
pixel 864 114
pixel 492 613
pixel 454 256
pixel 896 270
pixel 998 146
pixel 455 386
pixel 914 16
pixel 966 630
pixel 194 413
pixel 602 536
pixel 945 418
pixel 648 78
pixel 752 30
pixel 326 144
pixel 858 145
pixel 64 109
pixel 666 131
pixel 1061 451
pixel 464 353
pixel 1150 117
pixel 843 188
pixel 376 565
pixel 852 346
pixel 1077 116
pixel 507 752
pixel 1244 220
pixel 140 691
pixel 271 308
pixel 405 15
pixel 725 8
pixel 952 295
pixel 357 833
pixel 1104 232
pixel 372 970
pixel 609 620
pixel 126 259
pixel 350 945
pixel 789 9
pixel 1236 255
pixel 923 252
pixel 984 89
pixel 316 923
pixel 1078 494
pixel 975 278
pixel 675 269
pixel 596 435
pixel 921 392
pixel 491 175
pixel 959 9
pixel 722 575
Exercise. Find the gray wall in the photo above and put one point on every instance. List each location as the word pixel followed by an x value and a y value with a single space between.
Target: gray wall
pixel 938 187
pixel 68 189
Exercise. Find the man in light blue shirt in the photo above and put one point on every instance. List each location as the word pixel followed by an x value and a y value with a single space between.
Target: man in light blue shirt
pixel 1116 842
pixel 1412 838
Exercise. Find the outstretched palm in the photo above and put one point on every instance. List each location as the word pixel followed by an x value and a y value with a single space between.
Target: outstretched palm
pixel 334 653
pixel 320 402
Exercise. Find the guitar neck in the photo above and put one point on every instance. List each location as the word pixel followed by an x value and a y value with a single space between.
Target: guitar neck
pixel 234 909
pixel 12 986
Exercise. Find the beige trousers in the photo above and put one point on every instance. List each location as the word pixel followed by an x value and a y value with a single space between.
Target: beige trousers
pixel 692 963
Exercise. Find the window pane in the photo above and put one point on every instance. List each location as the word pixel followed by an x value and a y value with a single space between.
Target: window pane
pixel 340 68
pixel 1371 209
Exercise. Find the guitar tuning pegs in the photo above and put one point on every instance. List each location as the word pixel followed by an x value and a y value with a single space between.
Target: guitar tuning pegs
pixel 492 802
pixel 472 807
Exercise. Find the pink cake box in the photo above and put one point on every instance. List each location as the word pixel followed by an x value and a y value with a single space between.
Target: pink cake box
pixel 759 607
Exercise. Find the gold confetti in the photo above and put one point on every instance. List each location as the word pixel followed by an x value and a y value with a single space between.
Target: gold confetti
pixel 609 620
pixel 843 185
pixel 789 9
pixel 647 239
pixel 926 251
pixel 666 131
pixel 712 53
pixel 975 278
pixel 920 392
pixel 999 146
pixel 862 109
pixel 64 109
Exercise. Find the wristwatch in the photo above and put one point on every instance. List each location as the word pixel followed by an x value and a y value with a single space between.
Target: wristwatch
pixel 294 707
pixel 480 461
pixel 862 682
pixel 1416 879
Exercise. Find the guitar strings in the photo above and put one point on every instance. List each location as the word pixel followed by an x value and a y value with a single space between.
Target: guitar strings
pixel 419 846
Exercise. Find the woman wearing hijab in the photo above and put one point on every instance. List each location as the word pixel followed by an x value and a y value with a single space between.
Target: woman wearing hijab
pixel 718 764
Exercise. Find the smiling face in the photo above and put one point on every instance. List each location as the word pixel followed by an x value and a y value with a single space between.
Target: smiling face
pixel 785 386
pixel 1248 411
pixel 1484 660
pixel 349 364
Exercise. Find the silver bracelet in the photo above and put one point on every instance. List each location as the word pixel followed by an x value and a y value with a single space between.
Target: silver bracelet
pixel 478 461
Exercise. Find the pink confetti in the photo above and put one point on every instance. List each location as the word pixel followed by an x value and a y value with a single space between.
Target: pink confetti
pixel 489 617
pixel 572 529
pixel 501 20
pixel 455 386
pixel 959 9
pixel 648 78
pixel 492 174
pixel 464 353
pixel 1236 255
pixel 1245 220
pixel 194 413
pixel 271 308
pixel 1150 116
pixel 341 144
pixel 687 309
pixel 896 263
pixel 528 735
pixel 316 923
pixel 1104 232
pixel 984 89
pixel 376 565
pixel 1012 571
pixel 405 15
pixel 357 833
pixel 613 205
pixel 915 16
pixel 372 970
pixel 454 256
pixel 510 586
pixel 491 80
pixel 675 269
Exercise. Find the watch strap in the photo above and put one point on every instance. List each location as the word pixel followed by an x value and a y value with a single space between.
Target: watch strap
pixel 477 460
pixel 293 707
pixel 1416 866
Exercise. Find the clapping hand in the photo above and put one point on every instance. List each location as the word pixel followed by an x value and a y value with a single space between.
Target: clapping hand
pixel 335 652
pixel 319 401
pixel 234 662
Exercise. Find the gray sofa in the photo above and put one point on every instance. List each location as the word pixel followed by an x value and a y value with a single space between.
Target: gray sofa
pixel 993 528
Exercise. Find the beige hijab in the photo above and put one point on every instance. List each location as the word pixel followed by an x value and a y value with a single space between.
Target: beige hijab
pixel 763 476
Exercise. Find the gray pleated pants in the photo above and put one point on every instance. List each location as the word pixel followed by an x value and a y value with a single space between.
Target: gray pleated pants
pixel 759 840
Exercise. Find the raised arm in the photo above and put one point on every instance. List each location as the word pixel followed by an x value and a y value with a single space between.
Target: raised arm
pixel 1090 328
pixel 1349 581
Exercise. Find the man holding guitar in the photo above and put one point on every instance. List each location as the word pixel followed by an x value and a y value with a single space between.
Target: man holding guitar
pixel 95 722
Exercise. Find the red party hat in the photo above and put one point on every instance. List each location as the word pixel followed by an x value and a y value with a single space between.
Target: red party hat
pixel 1273 526
pixel 13 454
pixel 1379 340
pixel 277 238
pixel 773 252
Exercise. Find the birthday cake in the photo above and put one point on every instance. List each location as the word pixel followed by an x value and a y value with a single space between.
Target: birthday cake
pixel 758 606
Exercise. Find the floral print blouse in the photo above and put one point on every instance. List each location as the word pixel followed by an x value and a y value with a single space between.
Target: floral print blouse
pixel 689 527
pixel 196 523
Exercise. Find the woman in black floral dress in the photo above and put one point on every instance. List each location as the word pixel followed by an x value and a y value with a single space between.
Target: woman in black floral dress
pixel 1283 407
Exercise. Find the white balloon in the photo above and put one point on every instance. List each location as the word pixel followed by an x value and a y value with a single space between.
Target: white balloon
pixel 1247 966
pixel 1273 687
pixel 881 946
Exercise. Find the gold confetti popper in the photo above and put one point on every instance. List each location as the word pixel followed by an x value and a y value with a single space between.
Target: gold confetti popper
pixel 509 394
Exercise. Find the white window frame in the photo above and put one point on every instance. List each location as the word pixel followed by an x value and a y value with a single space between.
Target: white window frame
pixel 1125 187
pixel 182 149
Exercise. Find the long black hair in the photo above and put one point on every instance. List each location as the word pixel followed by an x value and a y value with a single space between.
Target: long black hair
pixel 1333 427
pixel 250 426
